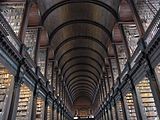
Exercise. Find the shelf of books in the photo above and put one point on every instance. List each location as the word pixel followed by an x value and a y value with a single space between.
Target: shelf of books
pixel 6 80
pixel 130 106
pixel 40 109
pixel 119 110
pixel 13 13
pixel 113 113
pixel 147 99
pixel 41 60
pixel 30 40
pixel 49 113
pixel 24 103
pixel 49 72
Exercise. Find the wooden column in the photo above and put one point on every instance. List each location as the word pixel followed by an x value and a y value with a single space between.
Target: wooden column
pixel 58 113
pixel 34 105
pixel 37 46
pixel 16 89
pixel 46 63
pixel 46 108
pixel 52 75
pixel 105 86
pixel 115 108
pixel 105 114
pixel 14 101
pixel 25 18
pixel 128 55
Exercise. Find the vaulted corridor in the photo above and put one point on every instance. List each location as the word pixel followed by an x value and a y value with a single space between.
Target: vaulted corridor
pixel 79 59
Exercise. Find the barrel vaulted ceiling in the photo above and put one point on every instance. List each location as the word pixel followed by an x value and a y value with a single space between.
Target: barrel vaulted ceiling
pixel 83 35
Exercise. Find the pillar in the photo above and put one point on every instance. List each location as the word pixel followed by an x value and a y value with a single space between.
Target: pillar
pixel 24 23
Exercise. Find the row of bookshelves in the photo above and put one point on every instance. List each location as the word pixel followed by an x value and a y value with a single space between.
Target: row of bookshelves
pixel 25 98
pixel 130 106
pixel 148 103
pixel 147 99
pixel 5 82
pixel 24 104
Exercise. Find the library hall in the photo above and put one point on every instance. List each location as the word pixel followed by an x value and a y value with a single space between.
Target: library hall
pixel 79 59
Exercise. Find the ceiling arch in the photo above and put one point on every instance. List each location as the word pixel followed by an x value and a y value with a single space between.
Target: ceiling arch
pixel 81 41
pixel 85 72
pixel 98 64
pixel 78 76
pixel 81 64
pixel 82 86
pixel 74 38
pixel 82 49
pixel 80 21
pixel 65 2
pixel 78 81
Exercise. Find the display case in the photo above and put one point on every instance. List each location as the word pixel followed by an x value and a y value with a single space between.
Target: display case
pixel 24 103
pixel 130 106
pixel 147 99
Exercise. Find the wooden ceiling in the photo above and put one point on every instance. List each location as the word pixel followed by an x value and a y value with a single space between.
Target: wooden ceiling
pixel 80 35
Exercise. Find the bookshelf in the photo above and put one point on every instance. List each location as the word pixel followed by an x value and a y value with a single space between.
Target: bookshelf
pixel 49 113
pixel 24 103
pixel 130 105
pixel 5 86
pixel 13 14
pixel 39 109
pixel 113 113
pixel 42 59
pixel 147 99
pixel 119 110
pixel 30 40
